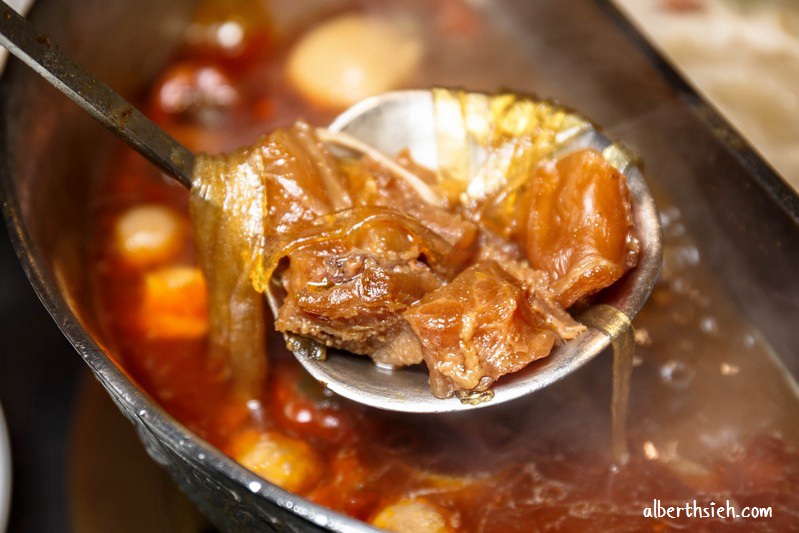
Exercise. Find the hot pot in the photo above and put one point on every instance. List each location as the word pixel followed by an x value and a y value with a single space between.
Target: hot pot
pixel 745 219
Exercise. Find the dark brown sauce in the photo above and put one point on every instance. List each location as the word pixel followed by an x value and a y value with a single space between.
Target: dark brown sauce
pixel 712 415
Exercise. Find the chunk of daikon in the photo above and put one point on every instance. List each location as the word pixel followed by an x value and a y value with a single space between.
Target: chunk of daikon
pixel 146 235
pixel 354 56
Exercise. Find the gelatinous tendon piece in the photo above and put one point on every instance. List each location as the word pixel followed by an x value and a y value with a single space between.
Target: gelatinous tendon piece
pixel 372 184
pixel 228 209
pixel 351 299
pixel 374 228
pixel 351 274
pixel 482 325
pixel 579 228
pixel 285 180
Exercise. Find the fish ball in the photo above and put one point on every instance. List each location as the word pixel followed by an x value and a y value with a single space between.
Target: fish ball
pixel 411 516
pixel 287 462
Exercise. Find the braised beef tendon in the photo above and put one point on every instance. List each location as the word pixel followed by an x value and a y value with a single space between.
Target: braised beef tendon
pixel 482 326
pixel 579 225
pixel 303 179
pixel 467 268
pixel 350 298
pixel 375 185
pixel 228 211
pixel 287 179
pixel 347 278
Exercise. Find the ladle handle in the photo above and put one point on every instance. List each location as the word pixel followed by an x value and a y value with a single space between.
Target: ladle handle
pixel 35 49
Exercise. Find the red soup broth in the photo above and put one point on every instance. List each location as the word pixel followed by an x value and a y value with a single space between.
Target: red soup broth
pixel 712 412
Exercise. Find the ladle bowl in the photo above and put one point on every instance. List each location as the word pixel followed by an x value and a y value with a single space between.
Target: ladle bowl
pixel 400 120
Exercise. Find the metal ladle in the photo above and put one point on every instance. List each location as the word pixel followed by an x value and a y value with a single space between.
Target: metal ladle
pixel 395 121
pixel 389 123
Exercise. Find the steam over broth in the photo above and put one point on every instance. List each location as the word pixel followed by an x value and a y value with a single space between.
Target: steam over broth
pixel 712 413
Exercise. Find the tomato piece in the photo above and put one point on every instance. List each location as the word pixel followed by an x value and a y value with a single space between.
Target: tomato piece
pixel 303 405
pixel 347 486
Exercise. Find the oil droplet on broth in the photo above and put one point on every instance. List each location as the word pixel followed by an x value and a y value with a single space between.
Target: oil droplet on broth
pixel 677 375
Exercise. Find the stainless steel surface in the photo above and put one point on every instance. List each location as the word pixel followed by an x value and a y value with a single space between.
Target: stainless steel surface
pixel 40 53
pixel 405 119
pixel 113 485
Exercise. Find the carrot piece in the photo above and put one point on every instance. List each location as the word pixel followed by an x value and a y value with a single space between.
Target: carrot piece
pixel 174 303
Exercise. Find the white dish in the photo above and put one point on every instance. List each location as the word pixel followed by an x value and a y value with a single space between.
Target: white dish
pixel 5 473
pixel 21 6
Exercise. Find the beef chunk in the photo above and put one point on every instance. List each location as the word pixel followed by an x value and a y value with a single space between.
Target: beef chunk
pixel 482 325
